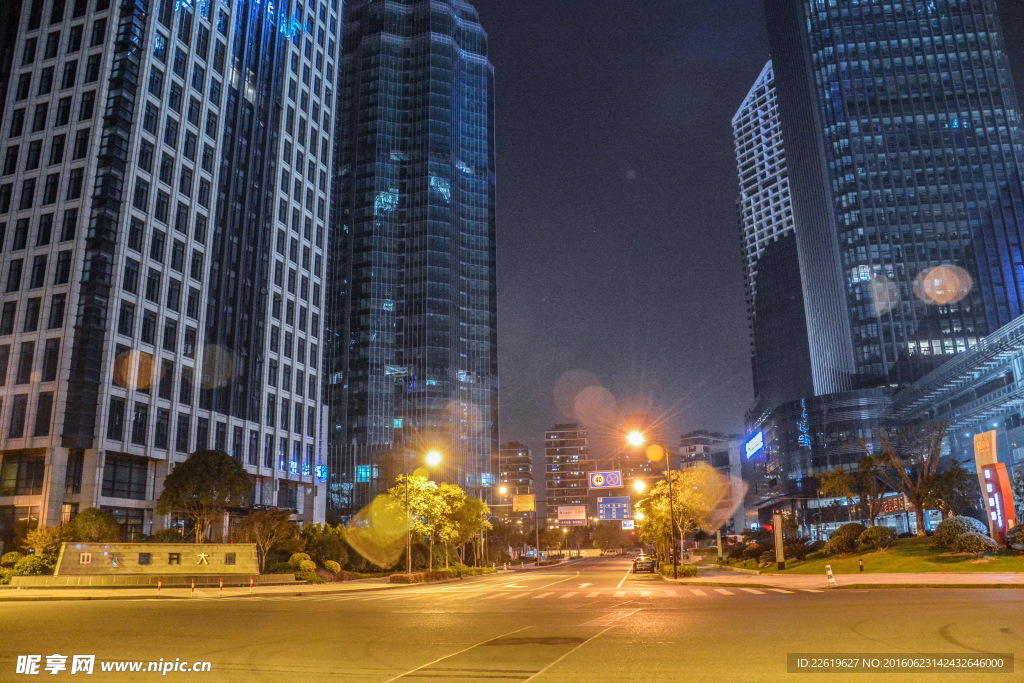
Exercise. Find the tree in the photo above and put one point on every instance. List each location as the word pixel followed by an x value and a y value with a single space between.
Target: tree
pixel 1018 492
pixel 610 537
pixel 954 491
pixel 201 489
pixel 325 543
pixel 45 541
pixel 910 459
pixel 468 520
pixel 696 491
pixel 427 508
pixel 864 483
pixel 93 525
pixel 266 528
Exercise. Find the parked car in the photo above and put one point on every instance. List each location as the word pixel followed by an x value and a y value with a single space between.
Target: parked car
pixel 643 563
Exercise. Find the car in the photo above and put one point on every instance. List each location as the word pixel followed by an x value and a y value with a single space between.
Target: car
pixel 643 563
pixel 635 551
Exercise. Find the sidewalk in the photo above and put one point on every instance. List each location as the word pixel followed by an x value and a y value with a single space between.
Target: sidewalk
pixel 721 577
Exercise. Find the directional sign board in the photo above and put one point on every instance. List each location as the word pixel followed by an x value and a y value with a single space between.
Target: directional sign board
pixel 605 480
pixel 627 524
pixel 613 508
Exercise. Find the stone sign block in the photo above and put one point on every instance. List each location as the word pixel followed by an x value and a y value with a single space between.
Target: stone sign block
pixel 79 559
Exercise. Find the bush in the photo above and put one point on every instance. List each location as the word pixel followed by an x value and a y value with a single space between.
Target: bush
pixel 817 545
pixel 332 566
pixel 876 538
pixel 684 571
pixel 310 576
pixel 798 548
pixel 974 543
pixel 950 529
pixel 172 535
pixel 10 559
pixel 32 565
pixel 93 525
pixel 736 552
pixel 753 551
pixel 297 559
pixel 906 534
pixel 5 576
pixel 306 566
pixel 279 568
pixel 324 542
pixel 844 540
pixel 1014 538
pixel 767 556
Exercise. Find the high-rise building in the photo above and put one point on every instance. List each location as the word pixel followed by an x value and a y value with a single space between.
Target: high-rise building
pixel 566 463
pixel 903 140
pixel 722 452
pixel 412 358
pixel 163 214
pixel 780 358
pixel 515 472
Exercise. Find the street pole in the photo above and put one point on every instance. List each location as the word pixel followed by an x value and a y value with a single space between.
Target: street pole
pixel 536 531
pixel 671 510
pixel 408 520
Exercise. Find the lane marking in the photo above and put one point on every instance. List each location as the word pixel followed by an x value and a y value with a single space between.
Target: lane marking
pixel 723 591
pixel 645 594
pixel 811 590
pixel 516 596
pixel 620 594
pixel 599 633
pixel 626 576
pixel 543 595
pixel 779 590
pixel 697 591
pixel 752 590
pixel 440 659
pixel 593 594
pixel 568 595
pixel 670 593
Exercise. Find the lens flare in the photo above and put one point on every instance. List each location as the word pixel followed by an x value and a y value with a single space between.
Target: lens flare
pixel 885 294
pixel 218 367
pixel 135 370
pixel 943 285
pixel 655 452
pixel 377 532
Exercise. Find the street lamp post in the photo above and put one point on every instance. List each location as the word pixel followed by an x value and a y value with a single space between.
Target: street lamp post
pixel 636 439
pixel 432 459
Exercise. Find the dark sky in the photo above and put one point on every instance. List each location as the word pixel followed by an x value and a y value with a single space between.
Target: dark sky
pixel 618 241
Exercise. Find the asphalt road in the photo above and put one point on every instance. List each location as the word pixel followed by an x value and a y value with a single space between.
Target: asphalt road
pixel 586 621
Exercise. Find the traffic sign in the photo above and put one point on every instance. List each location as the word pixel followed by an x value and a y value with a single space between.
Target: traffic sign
pixel 524 503
pixel 611 479
pixel 628 524
pixel 572 515
pixel 613 508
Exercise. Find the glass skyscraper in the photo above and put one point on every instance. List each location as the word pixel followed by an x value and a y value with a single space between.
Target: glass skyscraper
pixel 903 135
pixel 412 342
pixel 164 198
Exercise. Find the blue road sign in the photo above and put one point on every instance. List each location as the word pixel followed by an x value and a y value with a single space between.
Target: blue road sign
pixel 605 480
pixel 627 524
pixel 613 508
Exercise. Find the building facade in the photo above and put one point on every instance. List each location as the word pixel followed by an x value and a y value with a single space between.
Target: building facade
pixel 902 130
pixel 566 463
pixel 722 452
pixel 163 206
pixel 412 308
pixel 780 357
pixel 514 471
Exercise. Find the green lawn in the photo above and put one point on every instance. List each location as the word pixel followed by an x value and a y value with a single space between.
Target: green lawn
pixel 908 555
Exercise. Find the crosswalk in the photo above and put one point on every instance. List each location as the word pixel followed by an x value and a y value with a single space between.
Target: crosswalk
pixel 501 594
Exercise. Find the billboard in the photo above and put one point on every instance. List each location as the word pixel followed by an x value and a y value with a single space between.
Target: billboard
pixel 754 445
pixel 524 503
pixel 572 515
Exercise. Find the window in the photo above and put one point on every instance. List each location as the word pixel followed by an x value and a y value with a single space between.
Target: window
pixel 23 374
pixel 99 32
pixel 124 476
pixel 126 319
pixel 92 68
pixel 28 55
pixel 35 152
pixel 140 422
pixel 57 149
pixel 81 147
pixel 57 304
pixel 69 224
pixel 11 160
pixel 115 420
pixel 17 122
pixel 51 359
pixel 38 277
pixel 70 74
pixel 153 285
pixel 22 475
pixel 170 341
pixel 161 428
pixel 63 111
pixel 148 335
pixel 156 246
pixel 19 412
pixel 5 356
pixel 140 197
pixel 131 276
pixel 185 388
pixel 73 474
pixel 52 43
pixel 44 412
pixel 23 88
pixel 87 106
pixel 75 179
pixel 45 229
pixel 32 307
pixel 146 156
pixel 135 235
pixel 28 194
pixel 14 276
pixel 174 295
pixel 181 434
pixel 166 382
pixel 75 35
pixel 63 271
pixel 10 309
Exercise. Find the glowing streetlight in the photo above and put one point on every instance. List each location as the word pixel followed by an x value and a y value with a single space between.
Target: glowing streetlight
pixel 655 451
pixel 639 486
pixel 503 489
pixel 432 458
pixel 639 515
pixel 636 438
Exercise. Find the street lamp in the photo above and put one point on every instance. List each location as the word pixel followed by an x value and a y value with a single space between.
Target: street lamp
pixel 431 458
pixel 637 438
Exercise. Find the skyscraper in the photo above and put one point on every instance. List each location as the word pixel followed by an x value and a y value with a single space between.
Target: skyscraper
pixel 903 137
pixel 163 208
pixel 566 463
pixel 780 358
pixel 515 472
pixel 412 356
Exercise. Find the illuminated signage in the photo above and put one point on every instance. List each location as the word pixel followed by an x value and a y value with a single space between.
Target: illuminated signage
pixel 755 445
pixel 998 496
pixel 572 515
pixel 524 503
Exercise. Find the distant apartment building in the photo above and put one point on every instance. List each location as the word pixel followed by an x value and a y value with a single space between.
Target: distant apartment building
pixel 722 452
pixel 566 463
pixel 163 205
pixel 514 470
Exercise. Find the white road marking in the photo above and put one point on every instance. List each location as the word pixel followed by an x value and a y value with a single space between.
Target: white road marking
pixel 670 593
pixel 811 590
pixel 723 591
pixel 779 590
pixel 645 594
pixel 487 640
pixel 568 595
pixel 584 585
pixel 753 590
pixel 516 596
pixel 697 591
pixel 543 595
pixel 593 594
pixel 625 576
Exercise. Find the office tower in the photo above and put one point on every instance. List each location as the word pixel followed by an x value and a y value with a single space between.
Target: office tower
pixel 515 472
pixel 566 463
pixel 903 140
pixel 163 211
pixel 780 358
pixel 412 359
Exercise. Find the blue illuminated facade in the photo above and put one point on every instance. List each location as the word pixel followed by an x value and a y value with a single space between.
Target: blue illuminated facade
pixel 412 354
pixel 902 128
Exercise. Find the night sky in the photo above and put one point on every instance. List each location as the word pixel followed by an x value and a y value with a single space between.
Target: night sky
pixel 618 238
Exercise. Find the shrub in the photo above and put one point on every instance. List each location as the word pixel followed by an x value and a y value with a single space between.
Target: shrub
pixel 93 525
pixel 974 543
pixel 306 566
pixel 32 565
pixel 310 576
pixel 1014 538
pixel 10 559
pixel 767 556
pixel 332 566
pixel 817 545
pixel 279 568
pixel 753 551
pixel 685 570
pixel 798 548
pixel 324 542
pixel 950 529
pixel 172 535
pixel 5 576
pixel 906 534
pixel 736 552
pixel 46 540
pixel 297 559
pixel 876 538
pixel 844 540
